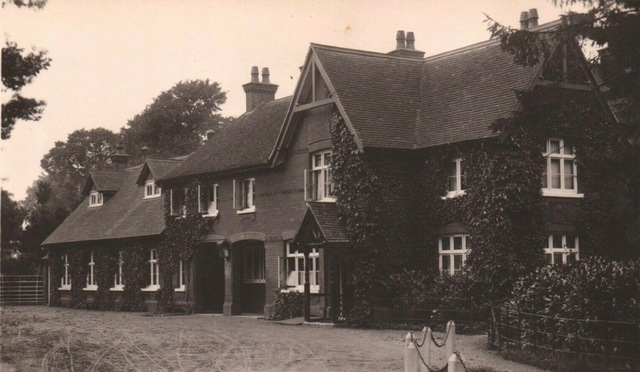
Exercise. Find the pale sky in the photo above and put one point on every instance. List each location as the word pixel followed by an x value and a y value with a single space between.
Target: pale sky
pixel 110 58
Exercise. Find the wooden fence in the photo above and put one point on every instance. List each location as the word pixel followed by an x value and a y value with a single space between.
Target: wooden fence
pixel 605 341
pixel 21 290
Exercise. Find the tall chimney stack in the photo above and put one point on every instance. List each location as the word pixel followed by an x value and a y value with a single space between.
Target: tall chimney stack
pixel 524 20
pixel 533 18
pixel 258 92
pixel 406 47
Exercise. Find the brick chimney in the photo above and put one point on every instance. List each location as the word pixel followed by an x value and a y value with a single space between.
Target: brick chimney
pixel 405 46
pixel 119 158
pixel 258 92
pixel 533 18
pixel 524 20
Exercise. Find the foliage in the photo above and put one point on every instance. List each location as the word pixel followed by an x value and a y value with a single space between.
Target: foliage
pixel 28 3
pixel 56 270
pixel 134 260
pixel 288 304
pixel 177 120
pixel 106 266
pixel 178 242
pixel 581 293
pixel 15 260
pixel 70 162
pixel 78 260
pixel 19 70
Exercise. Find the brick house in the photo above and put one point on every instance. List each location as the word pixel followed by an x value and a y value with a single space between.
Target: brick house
pixel 265 185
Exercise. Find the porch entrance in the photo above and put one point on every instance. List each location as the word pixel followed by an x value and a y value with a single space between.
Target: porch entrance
pixel 209 280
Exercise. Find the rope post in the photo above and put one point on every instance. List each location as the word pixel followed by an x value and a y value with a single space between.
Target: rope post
pixel 454 364
pixel 450 342
pixel 410 355
pixel 425 349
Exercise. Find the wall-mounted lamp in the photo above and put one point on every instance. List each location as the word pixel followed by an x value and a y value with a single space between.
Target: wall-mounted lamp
pixel 224 249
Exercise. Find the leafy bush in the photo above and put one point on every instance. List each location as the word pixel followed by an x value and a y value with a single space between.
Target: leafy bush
pixel 590 290
pixel 287 305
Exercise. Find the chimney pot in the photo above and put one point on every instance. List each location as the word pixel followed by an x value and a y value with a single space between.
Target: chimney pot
pixel 411 40
pixel 400 40
pixel 119 158
pixel 265 75
pixel 533 18
pixel 524 20
pixel 254 74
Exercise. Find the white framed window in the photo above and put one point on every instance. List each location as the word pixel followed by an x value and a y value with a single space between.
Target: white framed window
pixel 153 271
pixel 560 176
pixel 95 198
pixel 208 199
pixel 118 284
pixel 253 264
pixel 453 250
pixel 562 248
pixel 295 269
pixel 65 281
pixel 91 275
pixel 318 180
pixel 178 202
pixel 457 178
pixel 151 190
pixel 181 278
pixel 245 202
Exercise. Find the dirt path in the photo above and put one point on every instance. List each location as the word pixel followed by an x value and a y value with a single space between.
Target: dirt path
pixel 42 338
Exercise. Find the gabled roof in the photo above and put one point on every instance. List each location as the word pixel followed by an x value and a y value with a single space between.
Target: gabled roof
pixel 155 169
pixel 321 224
pixel 124 215
pixel 379 93
pixel 246 143
pixel 103 181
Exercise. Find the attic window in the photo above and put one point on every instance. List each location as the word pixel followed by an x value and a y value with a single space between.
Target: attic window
pixel 95 198
pixel 151 190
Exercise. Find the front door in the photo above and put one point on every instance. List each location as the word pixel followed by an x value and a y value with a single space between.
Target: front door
pixel 210 272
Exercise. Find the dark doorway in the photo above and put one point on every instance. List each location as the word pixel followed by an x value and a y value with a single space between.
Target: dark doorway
pixel 210 280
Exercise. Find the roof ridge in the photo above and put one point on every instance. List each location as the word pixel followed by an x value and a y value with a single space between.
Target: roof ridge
pixel 364 52
pixel 484 43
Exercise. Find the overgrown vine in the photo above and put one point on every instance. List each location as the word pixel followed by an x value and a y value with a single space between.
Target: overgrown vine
pixel 178 242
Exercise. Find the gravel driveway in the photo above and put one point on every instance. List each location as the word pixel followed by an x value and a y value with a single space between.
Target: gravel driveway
pixel 43 338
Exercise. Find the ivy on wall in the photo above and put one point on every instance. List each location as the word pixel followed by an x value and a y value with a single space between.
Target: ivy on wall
pixel 78 260
pixel 57 270
pixel 106 267
pixel 134 261
pixel 178 242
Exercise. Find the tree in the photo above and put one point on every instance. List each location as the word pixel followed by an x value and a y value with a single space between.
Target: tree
pixel 28 3
pixel 68 163
pixel 14 260
pixel 18 70
pixel 177 121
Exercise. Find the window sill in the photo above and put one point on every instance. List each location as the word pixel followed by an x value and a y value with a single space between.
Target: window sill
pixel 151 196
pixel 117 289
pixel 151 288
pixel 312 289
pixel 95 206
pixel 180 289
pixel 255 281
pixel 64 288
pixel 325 200
pixel 210 215
pixel 453 194
pixel 247 210
pixel 561 194
pixel 91 288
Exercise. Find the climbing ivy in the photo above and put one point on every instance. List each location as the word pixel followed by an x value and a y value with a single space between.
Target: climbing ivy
pixel 134 259
pixel 55 265
pixel 106 259
pixel 178 242
pixel 78 260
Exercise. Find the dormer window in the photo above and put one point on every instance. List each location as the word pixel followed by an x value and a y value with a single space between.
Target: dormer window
pixel 95 198
pixel 208 199
pixel 560 174
pixel 457 182
pixel 151 190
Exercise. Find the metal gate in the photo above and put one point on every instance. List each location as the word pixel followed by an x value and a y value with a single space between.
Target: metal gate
pixel 21 290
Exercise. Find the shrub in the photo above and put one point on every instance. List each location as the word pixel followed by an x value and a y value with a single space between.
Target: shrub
pixel 287 305
pixel 590 290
